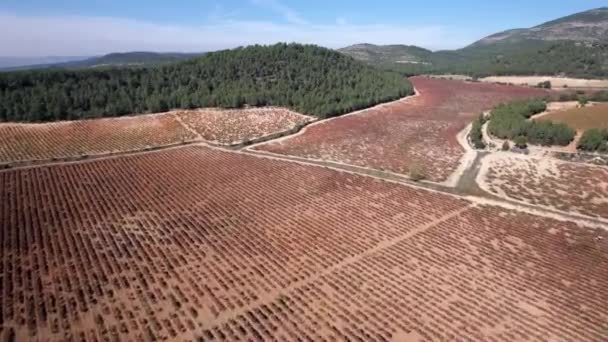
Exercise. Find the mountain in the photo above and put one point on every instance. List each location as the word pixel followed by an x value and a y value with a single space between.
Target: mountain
pixel 307 78
pixel 588 27
pixel 138 58
pixel 576 45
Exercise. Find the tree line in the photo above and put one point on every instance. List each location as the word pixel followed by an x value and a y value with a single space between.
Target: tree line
pixel 510 121
pixel 306 78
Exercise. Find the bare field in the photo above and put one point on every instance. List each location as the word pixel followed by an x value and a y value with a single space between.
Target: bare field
pixel 419 132
pixel 197 242
pixel 556 82
pixel 25 142
pixel 229 127
pixel 548 182
pixel 581 119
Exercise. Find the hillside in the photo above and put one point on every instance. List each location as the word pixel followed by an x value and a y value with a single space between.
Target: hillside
pixel 590 27
pixel 576 45
pixel 139 58
pixel 405 54
pixel 307 78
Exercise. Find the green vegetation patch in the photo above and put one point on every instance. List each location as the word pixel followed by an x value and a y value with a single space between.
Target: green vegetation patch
pixel 509 121
pixel 594 139
pixel 306 78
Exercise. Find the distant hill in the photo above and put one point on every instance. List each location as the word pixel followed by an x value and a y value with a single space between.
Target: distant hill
pixel 138 58
pixel 576 45
pixel 20 61
pixel 307 78
pixel 387 53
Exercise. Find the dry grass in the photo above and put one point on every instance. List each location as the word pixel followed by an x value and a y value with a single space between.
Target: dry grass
pixel 581 118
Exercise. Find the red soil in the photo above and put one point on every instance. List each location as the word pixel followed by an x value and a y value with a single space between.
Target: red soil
pixel 25 142
pixel 196 242
pixel 420 132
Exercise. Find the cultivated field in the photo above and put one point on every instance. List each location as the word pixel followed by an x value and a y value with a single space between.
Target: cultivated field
pixel 591 116
pixel 570 187
pixel 556 82
pixel 27 142
pixel 196 242
pixel 418 131
pixel 228 127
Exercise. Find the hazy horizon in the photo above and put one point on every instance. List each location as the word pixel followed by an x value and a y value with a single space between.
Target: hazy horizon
pixel 66 28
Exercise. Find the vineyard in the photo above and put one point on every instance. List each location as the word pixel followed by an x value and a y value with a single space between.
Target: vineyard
pixel 199 243
pixel 69 139
pixel 25 142
pixel 228 127
pixel 419 132
pixel 569 187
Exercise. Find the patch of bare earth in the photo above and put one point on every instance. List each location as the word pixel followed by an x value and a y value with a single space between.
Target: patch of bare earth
pixel 228 127
pixel 201 243
pixel 547 182
pixel 398 136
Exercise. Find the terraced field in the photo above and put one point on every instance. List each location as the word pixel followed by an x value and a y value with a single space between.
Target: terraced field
pixel 570 187
pixel 196 242
pixel 416 133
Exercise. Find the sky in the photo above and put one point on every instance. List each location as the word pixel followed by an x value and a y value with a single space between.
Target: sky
pixel 95 27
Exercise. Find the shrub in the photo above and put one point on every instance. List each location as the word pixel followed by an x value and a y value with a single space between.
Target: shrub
pixel 521 142
pixel 594 140
pixel 582 101
pixel 417 173
pixel 476 134
pixel 506 146
pixel 544 85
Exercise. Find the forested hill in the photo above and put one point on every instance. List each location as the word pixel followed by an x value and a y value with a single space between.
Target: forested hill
pixel 306 78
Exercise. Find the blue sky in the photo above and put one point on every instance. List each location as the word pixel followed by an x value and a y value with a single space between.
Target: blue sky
pixel 78 27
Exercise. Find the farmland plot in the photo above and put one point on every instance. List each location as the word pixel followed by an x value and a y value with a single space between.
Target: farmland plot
pixel 25 142
pixel 419 131
pixel 68 139
pixel 196 242
pixel 571 187
pixel 228 127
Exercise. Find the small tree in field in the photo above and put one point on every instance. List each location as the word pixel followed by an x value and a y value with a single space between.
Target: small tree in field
pixel 582 101
pixel 506 146
pixel 417 173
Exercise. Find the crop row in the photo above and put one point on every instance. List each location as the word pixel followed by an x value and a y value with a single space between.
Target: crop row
pixel 161 245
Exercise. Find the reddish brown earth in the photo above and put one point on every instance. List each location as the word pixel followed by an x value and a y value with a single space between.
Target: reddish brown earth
pixel 228 127
pixel 24 142
pixel 420 132
pixel 69 139
pixel 196 242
